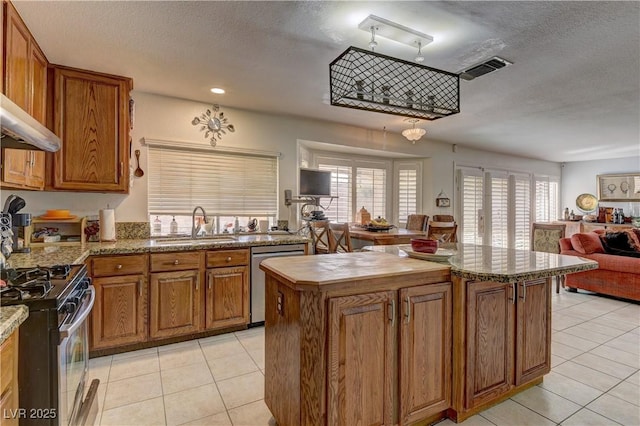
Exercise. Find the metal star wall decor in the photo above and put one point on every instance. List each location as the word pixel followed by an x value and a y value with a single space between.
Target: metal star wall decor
pixel 214 124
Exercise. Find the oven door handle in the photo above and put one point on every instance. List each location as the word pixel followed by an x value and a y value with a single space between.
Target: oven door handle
pixel 67 330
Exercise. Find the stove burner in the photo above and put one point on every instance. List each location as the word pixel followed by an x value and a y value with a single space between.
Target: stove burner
pixel 30 283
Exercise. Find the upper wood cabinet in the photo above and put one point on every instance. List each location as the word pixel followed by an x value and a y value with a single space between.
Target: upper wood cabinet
pixel 91 117
pixel 25 78
pixel 25 83
pixel 22 168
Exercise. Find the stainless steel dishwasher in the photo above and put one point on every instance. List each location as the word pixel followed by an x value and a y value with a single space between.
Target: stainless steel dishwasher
pixel 258 254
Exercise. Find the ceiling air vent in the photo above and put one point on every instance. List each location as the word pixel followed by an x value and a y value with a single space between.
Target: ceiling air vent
pixel 491 65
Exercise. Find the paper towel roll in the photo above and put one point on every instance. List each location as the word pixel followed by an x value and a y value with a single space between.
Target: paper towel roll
pixel 107 225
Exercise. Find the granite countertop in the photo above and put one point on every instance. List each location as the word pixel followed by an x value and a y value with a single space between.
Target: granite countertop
pixel 358 267
pixel 10 318
pixel 498 264
pixel 58 254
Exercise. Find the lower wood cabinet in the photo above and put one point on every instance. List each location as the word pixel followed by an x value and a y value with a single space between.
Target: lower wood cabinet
pixel 9 380
pixel 175 303
pixel 383 341
pixel 425 351
pixel 508 338
pixel 361 359
pixel 119 315
pixel 227 297
pixel 141 298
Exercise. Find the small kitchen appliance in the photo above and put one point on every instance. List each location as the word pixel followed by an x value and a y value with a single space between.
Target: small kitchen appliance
pixel 21 226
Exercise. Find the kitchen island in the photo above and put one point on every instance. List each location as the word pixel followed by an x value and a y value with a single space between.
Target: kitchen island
pixel 380 338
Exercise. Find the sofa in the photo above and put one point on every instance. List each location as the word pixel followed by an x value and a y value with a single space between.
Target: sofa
pixel 618 272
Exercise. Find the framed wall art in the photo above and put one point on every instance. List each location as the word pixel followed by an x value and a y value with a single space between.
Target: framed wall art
pixel 620 187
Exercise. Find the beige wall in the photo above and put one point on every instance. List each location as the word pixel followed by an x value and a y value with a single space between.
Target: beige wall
pixel 164 118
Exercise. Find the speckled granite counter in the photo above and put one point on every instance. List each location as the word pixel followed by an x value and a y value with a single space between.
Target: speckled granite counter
pixel 10 318
pixel 498 264
pixel 54 255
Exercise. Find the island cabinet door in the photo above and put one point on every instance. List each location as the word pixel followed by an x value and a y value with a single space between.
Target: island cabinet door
pixel 533 348
pixel 490 341
pixel 227 297
pixel 361 359
pixel 174 303
pixel 425 351
pixel 119 315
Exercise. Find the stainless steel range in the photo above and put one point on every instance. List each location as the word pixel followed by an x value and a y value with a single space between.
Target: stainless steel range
pixel 54 345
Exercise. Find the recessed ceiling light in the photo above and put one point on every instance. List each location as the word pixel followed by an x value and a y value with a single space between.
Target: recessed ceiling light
pixel 217 91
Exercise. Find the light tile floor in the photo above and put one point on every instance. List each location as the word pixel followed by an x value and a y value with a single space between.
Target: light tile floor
pixel 595 377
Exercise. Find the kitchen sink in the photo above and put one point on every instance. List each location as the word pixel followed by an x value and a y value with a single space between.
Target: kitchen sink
pixel 175 241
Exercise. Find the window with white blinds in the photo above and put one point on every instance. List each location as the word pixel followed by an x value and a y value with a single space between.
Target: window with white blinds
pixel 522 211
pixel 407 193
pixel 357 183
pixel 223 183
pixel 371 190
pixel 471 200
pixel 495 206
pixel 340 208
pixel 546 199
pixel 499 207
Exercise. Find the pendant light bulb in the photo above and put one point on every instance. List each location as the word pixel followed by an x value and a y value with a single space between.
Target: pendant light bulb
pixel 373 43
pixel 419 57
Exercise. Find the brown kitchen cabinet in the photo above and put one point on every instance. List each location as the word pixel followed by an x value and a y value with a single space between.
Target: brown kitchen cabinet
pixel 9 380
pixel 25 78
pixel 119 315
pixel 24 169
pixel 25 83
pixel 425 347
pixel 91 117
pixel 361 359
pixel 227 291
pixel 366 331
pixel 175 298
pixel 508 340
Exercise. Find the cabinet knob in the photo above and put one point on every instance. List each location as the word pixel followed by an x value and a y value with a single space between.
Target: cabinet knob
pixel 175 262
pixel 229 259
pixel 118 266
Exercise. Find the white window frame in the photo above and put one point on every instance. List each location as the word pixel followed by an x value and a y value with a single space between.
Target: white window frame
pixel 399 165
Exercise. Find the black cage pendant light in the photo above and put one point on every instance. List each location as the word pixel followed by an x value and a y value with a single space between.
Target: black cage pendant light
pixel 371 81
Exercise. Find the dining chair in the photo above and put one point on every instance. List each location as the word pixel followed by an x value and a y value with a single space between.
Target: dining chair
pixel 339 238
pixel 417 222
pixel 443 218
pixel 320 236
pixel 546 237
pixel 443 233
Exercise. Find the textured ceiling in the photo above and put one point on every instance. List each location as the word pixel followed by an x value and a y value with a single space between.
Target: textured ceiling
pixel 572 94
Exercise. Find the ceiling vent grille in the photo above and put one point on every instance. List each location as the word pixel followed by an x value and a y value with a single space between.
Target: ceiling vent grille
pixel 486 67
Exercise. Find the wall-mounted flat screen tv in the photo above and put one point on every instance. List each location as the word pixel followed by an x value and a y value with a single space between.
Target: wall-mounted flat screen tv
pixel 315 183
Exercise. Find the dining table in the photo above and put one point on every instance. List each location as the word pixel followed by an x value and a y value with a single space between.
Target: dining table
pixel 361 237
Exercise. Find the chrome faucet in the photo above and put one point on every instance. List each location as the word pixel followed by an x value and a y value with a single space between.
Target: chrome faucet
pixel 195 230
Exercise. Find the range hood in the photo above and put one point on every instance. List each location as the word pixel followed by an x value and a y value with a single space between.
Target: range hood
pixel 22 131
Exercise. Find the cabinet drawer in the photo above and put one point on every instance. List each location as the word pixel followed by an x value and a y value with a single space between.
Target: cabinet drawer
pixel 7 358
pixel 227 258
pixel 119 265
pixel 176 261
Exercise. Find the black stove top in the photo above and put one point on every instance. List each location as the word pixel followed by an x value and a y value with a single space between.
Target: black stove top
pixel 40 287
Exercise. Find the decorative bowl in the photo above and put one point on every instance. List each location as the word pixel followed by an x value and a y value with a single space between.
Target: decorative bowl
pixel 422 245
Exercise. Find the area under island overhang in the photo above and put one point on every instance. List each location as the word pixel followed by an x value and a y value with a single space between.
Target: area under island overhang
pixel 380 338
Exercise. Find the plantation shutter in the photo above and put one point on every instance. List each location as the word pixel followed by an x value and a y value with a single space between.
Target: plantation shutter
pixel 499 208
pixel 407 199
pixel 546 192
pixel 371 190
pixel 522 211
pixel 223 183
pixel 471 192
pixel 340 208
